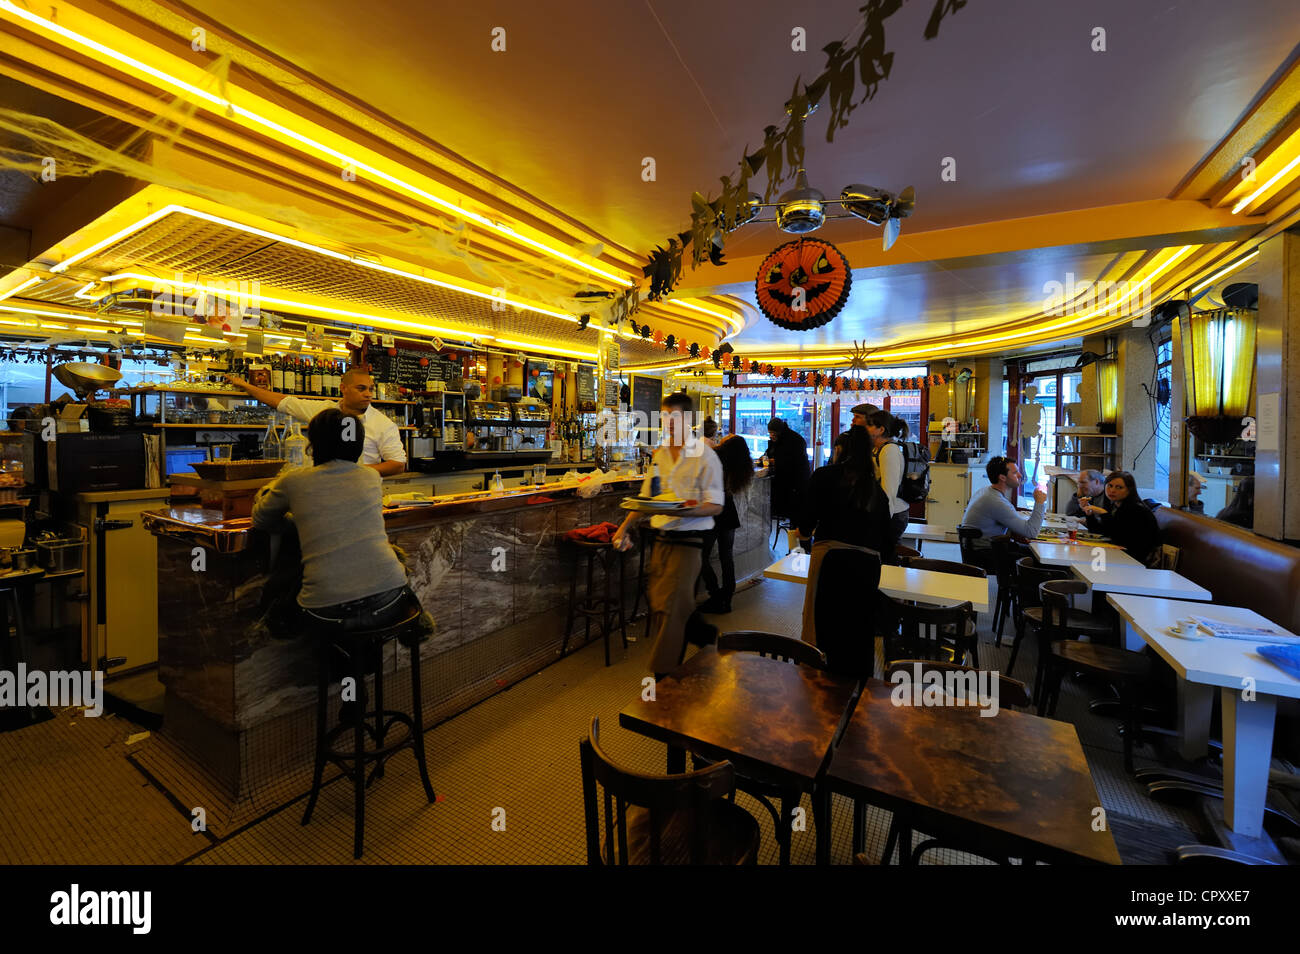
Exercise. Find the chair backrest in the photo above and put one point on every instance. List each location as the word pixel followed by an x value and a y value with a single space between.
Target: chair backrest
pixel 1004 560
pixel 1055 596
pixel 1011 692
pixel 923 627
pixel 784 648
pixel 1030 575
pixel 845 608
pixel 662 796
pixel 966 537
pixel 946 566
pixel 904 552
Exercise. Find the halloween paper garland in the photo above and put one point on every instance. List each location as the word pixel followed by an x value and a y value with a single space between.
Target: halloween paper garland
pixel 803 284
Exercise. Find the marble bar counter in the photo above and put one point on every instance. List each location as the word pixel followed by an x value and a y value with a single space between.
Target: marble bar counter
pixel 489 568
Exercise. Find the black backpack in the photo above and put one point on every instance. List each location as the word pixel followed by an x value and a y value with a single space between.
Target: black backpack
pixel 915 485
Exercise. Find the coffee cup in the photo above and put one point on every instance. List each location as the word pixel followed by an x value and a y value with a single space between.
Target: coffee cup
pixel 1186 627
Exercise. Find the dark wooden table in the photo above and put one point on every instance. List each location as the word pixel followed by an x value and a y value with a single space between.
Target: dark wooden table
pixel 773 720
pixel 1012 784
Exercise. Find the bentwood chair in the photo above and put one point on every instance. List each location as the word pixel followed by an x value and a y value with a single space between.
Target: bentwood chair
pixel 1011 694
pixel 972 553
pixel 969 642
pixel 1126 671
pixel 904 552
pixel 927 632
pixel 788 650
pixel 663 819
pixel 1028 605
pixel 1004 566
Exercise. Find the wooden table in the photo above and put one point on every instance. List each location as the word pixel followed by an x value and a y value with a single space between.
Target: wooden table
pixel 1230 665
pixel 1068 554
pixel 773 720
pixel 1012 784
pixel 924 586
pixel 1139 581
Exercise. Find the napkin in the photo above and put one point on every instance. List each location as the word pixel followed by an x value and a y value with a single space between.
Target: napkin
pixel 1286 658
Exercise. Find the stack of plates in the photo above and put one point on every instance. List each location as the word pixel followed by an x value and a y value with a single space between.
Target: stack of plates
pixel 649 503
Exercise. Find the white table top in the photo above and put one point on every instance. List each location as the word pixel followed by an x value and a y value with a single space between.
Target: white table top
pixel 1139 581
pixel 1214 662
pixel 929 531
pixel 925 586
pixel 1067 554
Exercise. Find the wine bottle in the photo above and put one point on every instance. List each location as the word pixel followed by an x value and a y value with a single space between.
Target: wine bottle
pixel 318 379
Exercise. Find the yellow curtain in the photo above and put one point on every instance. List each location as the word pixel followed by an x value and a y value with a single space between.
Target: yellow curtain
pixel 1219 361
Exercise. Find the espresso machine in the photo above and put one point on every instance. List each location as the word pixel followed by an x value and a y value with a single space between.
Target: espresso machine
pixel 492 425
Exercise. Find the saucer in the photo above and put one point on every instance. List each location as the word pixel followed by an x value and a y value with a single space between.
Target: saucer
pixel 1195 637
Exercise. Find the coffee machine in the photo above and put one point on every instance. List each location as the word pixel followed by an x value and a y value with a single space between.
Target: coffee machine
pixel 491 423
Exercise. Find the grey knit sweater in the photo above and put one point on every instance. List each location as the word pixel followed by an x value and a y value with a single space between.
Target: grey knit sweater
pixel 338 510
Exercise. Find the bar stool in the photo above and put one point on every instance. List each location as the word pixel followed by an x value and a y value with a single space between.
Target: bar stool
pixel 20 650
pixel 360 645
pixel 602 607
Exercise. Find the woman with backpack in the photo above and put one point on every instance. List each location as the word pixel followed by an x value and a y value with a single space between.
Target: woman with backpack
pixel 884 430
pixel 845 501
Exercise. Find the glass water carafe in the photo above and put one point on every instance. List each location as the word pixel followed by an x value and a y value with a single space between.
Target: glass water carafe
pixel 273 441
pixel 295 448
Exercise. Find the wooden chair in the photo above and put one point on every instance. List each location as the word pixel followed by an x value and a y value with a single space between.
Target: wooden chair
pixel 668 819
pixel 1029 575
pixel 979 556
pixel 923 631
pixel 1077 623
pixel 904 552
pixel 1004 566
pixel 784 648
pixel 971 639
pixel 1126 671
pixel 1012 693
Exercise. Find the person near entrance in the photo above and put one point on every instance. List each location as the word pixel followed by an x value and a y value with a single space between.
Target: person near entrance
pixel 884 430
pixel 689 468
pixel 991 510
pixel 383 448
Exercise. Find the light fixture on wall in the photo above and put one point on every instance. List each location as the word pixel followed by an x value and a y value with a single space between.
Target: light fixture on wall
pixel 1107 384
pixel 1219 364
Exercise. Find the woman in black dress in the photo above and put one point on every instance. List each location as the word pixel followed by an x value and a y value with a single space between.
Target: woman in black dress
pixel 845 501
pixel 787 453
pixel 737 472
pixel 1131 524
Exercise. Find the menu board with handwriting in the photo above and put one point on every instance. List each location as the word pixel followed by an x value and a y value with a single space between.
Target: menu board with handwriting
pixel 586 384
pixel 405 368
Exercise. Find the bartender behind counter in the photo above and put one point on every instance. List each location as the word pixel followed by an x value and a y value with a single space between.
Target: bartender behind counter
pixel 383 449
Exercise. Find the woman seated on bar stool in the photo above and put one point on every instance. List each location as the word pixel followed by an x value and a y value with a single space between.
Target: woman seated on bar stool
pixel 1131 524
pixel 351 577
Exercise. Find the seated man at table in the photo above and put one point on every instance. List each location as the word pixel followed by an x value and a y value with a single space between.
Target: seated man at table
pixel 991 512
pixel 1092 490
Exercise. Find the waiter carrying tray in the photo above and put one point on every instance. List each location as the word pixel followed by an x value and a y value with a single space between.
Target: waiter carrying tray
pixel 383 448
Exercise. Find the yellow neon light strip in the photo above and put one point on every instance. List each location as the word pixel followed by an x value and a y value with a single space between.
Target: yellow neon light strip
pixel 148 220
pixel 35 279
pixel 227 107
pixel 528 345
pixel 1224 271
pixel 1241 204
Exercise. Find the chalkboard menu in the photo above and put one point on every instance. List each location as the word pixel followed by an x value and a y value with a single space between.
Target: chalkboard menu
pixel 647 394
pixel 586 384
pixel 404 368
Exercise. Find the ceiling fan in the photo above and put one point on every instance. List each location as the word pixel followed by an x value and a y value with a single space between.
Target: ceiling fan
pixel 802 209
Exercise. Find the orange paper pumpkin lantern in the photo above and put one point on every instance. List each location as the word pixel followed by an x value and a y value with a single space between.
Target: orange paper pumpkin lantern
pixel 803 284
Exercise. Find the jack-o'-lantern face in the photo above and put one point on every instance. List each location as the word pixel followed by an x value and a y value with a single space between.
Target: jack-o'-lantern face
pixel 803 284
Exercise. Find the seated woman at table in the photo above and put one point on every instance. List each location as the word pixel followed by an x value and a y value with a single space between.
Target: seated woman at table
pixel 844 501
pixel 1131 524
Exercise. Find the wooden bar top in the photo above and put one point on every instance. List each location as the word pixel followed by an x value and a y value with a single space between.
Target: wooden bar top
pixel 749 709
pixel 1014 780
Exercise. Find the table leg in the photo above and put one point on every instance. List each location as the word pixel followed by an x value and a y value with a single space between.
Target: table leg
pixel 1247 751
pixel 1195 706
pixel 676 760
pixel 1133 640
pixel 822 799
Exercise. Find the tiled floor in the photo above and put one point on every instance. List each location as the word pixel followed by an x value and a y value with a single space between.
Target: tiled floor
pixel 506 774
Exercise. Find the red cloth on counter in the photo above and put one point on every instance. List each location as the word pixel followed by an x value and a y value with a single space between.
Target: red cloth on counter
pixel 600 533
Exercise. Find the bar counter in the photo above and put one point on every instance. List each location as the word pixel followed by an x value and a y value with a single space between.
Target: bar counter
pixel 488 568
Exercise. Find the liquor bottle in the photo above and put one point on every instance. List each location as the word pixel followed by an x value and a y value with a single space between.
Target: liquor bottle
pixel 294 380
pixel 290 379
pixel 277 374
pixel 309 376
pixel 295 448
pixel 318 379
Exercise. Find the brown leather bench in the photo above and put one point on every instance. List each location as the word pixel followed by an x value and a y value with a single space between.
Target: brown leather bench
pixel 1239 567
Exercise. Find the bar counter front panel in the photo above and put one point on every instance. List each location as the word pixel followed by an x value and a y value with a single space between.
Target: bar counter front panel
pixel 489 570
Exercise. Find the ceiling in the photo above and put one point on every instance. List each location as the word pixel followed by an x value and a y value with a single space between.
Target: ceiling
pixel 1068 161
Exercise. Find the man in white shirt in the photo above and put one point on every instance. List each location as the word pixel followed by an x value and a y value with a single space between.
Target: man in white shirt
pixel 383 448
pixel 690 469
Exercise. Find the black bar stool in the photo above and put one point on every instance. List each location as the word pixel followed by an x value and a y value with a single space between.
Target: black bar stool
pixel 361 645
pixel 602 607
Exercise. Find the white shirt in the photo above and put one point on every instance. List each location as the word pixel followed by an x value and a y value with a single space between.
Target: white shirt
pixel 696 475
pixel 889 470
pixel 383 439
